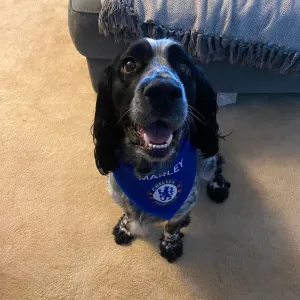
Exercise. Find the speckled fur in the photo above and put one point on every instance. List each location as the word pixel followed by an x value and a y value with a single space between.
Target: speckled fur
pixel 139 220
pixel 122 106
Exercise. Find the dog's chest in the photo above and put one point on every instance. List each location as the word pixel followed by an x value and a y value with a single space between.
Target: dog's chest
pixel 161 194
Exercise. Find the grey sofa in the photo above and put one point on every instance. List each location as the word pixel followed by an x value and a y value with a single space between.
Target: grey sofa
pixel 225 77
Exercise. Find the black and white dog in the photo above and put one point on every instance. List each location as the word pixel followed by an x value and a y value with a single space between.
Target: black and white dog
pixel 156 135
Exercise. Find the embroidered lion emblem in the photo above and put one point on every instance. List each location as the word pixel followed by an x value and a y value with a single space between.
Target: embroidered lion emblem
pixel 166 193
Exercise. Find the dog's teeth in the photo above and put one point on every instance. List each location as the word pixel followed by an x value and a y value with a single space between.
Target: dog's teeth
pixel 168 142
pixel 154 146
pixel 146 139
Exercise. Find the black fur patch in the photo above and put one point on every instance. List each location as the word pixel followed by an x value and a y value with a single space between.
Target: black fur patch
pixel 218 188
pixel 121 233
pixel 171 249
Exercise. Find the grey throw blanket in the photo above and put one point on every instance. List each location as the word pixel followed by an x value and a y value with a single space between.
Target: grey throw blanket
pixel 257 33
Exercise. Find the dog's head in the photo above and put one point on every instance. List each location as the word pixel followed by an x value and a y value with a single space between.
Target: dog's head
pixel 150 96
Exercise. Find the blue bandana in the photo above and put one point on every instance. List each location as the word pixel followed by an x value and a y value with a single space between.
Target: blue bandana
pixel 162 194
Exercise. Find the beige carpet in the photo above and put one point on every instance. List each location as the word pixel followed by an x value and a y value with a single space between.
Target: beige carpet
pixel 56 216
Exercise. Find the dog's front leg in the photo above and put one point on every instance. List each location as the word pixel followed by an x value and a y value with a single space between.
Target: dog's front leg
pixel 130 225
pixel 121 231
pixel 171 246
pixel 218 188
pixel 211 170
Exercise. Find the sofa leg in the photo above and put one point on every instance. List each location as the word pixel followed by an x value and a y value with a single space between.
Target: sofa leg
pixel 226 98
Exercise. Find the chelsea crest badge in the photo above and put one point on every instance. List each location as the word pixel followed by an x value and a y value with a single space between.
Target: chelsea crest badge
pixel 165 192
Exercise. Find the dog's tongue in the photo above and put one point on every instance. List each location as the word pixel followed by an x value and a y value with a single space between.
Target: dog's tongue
pixel 157 133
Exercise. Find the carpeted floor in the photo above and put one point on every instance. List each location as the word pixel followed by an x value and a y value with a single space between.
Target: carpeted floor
pixel 56 216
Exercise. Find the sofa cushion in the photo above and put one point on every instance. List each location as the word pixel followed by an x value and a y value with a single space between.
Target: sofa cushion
pixel 256 33
pixel 259 33
pixel 264 21
pixel 87 6
pixel 84 31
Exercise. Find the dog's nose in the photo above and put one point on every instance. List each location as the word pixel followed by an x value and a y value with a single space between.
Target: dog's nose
pixel 160 92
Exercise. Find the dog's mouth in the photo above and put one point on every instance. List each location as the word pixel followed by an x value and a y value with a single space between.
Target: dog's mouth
pixel 156 136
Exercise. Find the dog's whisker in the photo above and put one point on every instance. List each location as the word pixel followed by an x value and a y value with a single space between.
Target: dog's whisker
pixel 187 125
pixel 203 121
pixel 190 119
pixel 198 118
pixel 123 116
pixel 196 111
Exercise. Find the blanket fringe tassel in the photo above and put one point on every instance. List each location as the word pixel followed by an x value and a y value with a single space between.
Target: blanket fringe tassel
pixel 119 19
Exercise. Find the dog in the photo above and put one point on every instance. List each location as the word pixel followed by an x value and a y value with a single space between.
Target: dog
pixel 156 136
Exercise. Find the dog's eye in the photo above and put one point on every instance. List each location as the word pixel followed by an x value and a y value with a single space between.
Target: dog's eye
pixel 184 69
pixel 129 66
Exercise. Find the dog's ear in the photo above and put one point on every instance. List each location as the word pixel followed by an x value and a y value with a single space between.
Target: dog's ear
pixel 205 129
pixel 105 132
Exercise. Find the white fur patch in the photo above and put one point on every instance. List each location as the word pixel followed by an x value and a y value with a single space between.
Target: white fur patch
pixel 207 167
pixel 160 65
pixel 137 228
pixel 214 185
pixel 159 46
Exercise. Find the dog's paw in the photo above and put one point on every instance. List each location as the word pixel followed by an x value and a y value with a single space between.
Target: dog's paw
pixel 121 233
pixel 171 249
pixel 218 189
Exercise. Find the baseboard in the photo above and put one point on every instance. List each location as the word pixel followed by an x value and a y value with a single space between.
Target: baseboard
pixel 226 98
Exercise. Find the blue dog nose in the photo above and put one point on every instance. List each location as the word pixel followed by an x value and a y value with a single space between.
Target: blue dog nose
pixel 160 92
